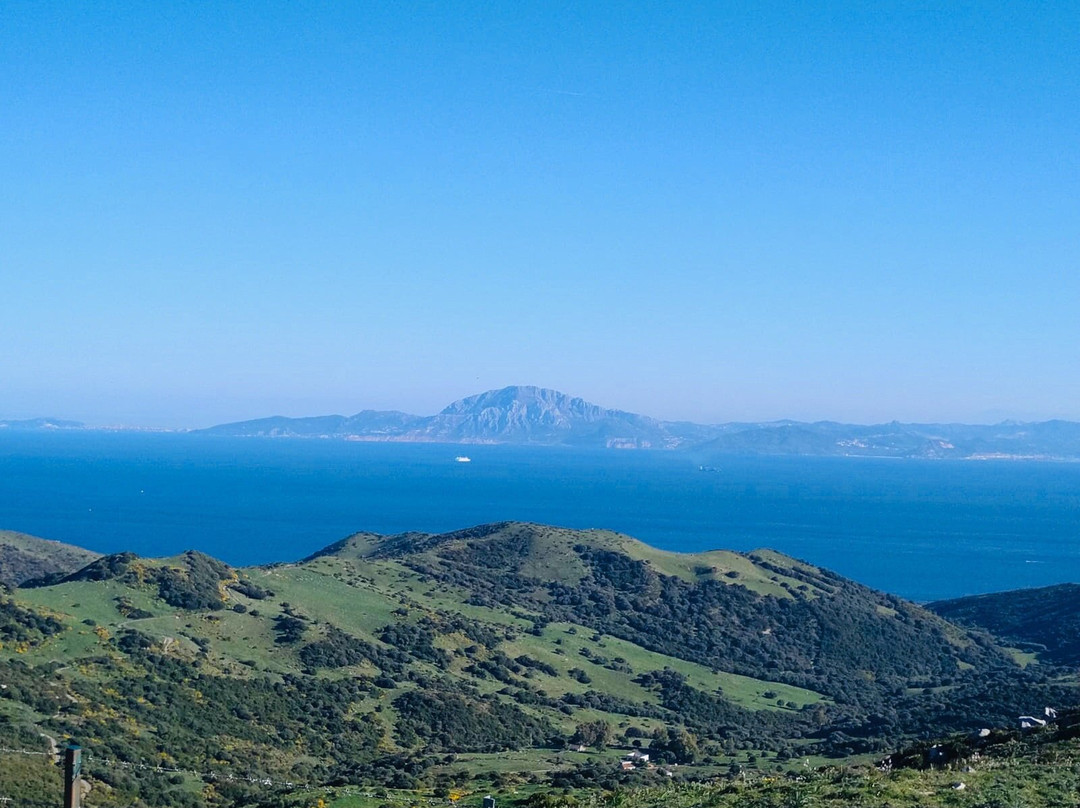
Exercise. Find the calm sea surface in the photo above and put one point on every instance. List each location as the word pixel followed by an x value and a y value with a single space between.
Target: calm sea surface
pixel 924 530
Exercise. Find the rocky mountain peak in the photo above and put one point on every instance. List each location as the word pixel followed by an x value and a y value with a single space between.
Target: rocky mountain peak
pixel 522 410
pixel 526 400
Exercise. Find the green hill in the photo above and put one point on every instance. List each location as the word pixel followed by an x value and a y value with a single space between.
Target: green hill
pixel 476 656
pixel 1044 621
pixel 760 614
pixel 23 558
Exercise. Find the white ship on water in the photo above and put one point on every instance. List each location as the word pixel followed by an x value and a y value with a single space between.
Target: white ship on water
pixel 463 459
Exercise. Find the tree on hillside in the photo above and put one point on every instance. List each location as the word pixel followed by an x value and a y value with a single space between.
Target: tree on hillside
pixel 593 733
pixel 674 745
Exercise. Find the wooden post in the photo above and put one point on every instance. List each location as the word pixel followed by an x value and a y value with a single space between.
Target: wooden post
pixel 72 770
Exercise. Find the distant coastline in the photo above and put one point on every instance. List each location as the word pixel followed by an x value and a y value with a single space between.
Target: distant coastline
pixel 536 416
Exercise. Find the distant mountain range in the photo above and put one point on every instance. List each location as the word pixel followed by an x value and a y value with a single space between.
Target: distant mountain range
pixel 510 415
pixel 535 415
pixel 528 415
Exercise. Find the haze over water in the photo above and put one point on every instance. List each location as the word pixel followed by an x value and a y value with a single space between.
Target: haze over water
pixel 923 530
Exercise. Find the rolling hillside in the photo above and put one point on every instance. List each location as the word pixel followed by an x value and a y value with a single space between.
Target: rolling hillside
pixel 412 660
pixel 1044 621
pixel 24 557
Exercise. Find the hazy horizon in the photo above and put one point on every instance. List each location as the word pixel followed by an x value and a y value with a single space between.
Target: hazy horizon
pixel 707 213
pixel 151 423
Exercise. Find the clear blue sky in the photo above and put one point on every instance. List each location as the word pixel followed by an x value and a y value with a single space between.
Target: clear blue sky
pixel 715 211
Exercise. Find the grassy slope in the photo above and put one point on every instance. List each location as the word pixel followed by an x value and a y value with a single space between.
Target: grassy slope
pixel 551 556
pixel 360 588
pixel 324 591
pixel 360 597
pixel 741 690
pixel 23 557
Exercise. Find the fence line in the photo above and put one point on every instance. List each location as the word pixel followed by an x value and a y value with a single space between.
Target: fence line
pixel 208 776
pixel 10 751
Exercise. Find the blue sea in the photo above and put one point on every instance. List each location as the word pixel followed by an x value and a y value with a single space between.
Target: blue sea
pixel 922 530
